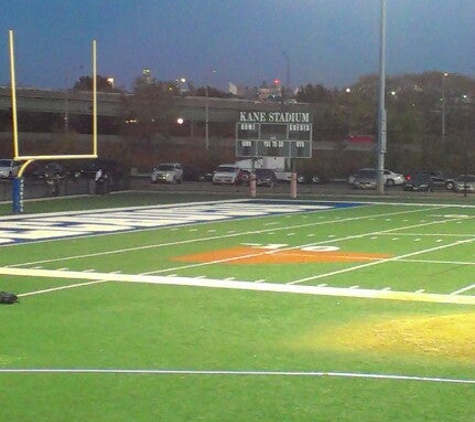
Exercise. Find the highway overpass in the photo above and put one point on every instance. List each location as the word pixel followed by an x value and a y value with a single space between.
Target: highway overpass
pixel 108 104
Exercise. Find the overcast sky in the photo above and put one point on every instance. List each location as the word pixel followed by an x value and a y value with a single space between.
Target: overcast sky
pixel 332 42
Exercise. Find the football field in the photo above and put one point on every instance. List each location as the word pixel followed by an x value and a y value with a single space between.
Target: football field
pixel 240 310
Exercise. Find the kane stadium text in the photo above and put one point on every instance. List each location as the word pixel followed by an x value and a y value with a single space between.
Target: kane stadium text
pixel 273 117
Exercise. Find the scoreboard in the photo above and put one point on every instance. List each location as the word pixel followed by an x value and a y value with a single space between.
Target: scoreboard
pixel 274 134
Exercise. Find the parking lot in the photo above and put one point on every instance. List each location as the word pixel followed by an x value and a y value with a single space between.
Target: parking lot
pixel 321 190
pixel 34 189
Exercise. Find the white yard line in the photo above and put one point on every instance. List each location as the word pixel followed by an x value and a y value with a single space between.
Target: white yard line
pixel 243 285
pixel 55 289
pixel 400 257
pixel 382 261
pixel 430 261
pixel 324 374
pixel 465 289
pixel 433 234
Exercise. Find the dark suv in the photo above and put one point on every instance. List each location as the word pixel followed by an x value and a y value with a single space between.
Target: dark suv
pixel 112 172
pixel 265 177
pixel 110 167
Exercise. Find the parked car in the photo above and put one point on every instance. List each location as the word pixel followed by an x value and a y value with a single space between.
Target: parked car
pixel 207 176
pixel 286 176
pixel 167 173
pixel 89 168
pixel 419 181
pixel 192 173
pixel 367 178
pixel 437 180
pixel 46 170
pixel 464 183
pixel 9 168
pixel 226 174
pixel 265 177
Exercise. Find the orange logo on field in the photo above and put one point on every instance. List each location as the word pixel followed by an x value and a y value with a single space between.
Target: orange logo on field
pixel 257 255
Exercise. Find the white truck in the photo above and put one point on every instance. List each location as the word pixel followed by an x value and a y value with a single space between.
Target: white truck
pixel 239 171
pixel 280 165
pixel 273 163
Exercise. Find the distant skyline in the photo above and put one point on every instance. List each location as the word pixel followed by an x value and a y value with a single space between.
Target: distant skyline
pixel 329 42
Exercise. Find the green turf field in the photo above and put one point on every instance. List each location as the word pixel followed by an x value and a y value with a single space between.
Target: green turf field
pixel 240 311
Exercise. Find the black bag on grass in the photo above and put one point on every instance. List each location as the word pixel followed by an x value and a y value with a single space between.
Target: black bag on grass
pixel 8 298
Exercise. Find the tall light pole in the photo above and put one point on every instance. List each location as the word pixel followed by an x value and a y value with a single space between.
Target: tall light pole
pixel 348 110
pixel 66 104
pixel 444 75
pixel 206 117
pixel 287 73
pixel 382 121
pixel 207 114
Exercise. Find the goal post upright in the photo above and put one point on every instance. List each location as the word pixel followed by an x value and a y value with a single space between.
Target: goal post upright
pixel 13 94
pixel 94 98
pixel 18 182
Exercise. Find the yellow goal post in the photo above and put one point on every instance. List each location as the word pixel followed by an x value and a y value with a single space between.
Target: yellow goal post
pixel 27 159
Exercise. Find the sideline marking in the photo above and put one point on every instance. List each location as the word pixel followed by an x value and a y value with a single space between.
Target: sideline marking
pixel 244 285
pixel 244 373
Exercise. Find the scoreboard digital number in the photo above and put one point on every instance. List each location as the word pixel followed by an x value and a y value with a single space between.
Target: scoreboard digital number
pixel 274 134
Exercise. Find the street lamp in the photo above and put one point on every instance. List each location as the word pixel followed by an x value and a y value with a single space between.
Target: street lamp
pixel 180 84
